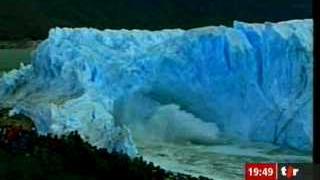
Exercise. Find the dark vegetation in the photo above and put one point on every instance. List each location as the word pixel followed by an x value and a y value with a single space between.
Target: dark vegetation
pixel 31 19
pixel 26 155
pixel 16 120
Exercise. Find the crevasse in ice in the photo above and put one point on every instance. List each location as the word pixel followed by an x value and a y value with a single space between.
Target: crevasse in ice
pixel 250 81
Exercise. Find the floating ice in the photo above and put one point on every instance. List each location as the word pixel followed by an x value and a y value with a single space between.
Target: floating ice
pixel 252 81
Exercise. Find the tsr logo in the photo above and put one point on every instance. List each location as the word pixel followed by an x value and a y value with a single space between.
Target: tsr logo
pixel 289 172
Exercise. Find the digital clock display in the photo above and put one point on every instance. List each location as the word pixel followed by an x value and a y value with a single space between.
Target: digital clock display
pixel 261 171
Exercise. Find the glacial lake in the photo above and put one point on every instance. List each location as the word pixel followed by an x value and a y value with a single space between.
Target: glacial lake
pixel 11 58
pixel 223 161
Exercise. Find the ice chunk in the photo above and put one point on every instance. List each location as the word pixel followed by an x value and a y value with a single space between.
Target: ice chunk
pixel 170 123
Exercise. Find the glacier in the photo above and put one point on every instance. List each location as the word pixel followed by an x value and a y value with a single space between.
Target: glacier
pixel 250 81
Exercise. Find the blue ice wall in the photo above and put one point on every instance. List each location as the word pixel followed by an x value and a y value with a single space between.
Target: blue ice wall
pixel 254 81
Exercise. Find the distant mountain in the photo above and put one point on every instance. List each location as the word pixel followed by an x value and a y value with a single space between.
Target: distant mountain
pixel 31 19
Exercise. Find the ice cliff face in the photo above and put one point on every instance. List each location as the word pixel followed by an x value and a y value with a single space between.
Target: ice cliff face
pixel 252 81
